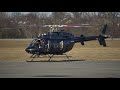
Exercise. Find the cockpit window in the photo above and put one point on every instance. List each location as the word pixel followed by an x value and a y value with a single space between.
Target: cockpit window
pixel 39 43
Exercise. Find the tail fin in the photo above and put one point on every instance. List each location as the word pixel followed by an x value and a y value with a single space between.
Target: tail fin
pixel 104 29
pixel 102 36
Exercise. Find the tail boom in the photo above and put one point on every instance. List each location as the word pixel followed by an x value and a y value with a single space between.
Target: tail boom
pixel 101 38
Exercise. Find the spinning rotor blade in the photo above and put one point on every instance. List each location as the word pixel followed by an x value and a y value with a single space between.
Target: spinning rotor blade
pixel 78 25
pixel 67 26
pixel 60 26
pixel 9 28
pixel 75 26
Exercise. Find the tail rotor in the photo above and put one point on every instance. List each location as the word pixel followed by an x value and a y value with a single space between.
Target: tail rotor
pixel 101 40
pixel 102 36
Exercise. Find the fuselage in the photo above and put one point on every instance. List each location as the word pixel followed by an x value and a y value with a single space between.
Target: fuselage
pixel 52 43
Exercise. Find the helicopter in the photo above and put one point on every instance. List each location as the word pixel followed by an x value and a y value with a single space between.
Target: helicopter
pixel 59 42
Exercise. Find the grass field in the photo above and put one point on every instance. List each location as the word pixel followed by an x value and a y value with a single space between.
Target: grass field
pixel 15 50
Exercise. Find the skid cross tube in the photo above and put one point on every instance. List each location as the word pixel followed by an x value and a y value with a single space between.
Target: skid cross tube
pixel 67 56
pixel 32 56
pixel 50 57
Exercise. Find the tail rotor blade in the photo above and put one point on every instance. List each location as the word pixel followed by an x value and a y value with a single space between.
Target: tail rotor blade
pixel 100 42
pixel 103 36
pixel 104 43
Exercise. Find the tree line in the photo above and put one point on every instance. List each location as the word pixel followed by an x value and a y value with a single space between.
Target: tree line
pixel 21 25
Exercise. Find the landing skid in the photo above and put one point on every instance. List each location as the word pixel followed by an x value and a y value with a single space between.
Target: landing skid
pixel 50 57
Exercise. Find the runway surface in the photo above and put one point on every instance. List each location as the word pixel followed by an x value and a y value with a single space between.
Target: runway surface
pixel 71 69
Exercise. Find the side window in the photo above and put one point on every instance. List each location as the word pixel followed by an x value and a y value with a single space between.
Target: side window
pixel 61 44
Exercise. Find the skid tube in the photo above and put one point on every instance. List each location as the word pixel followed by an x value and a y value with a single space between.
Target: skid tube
pixel 33 56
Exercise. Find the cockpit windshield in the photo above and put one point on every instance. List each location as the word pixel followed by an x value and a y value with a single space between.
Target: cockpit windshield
pixel 38 43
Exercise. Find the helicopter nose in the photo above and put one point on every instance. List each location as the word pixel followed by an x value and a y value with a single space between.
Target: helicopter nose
pixel 29 50
pixel 32 50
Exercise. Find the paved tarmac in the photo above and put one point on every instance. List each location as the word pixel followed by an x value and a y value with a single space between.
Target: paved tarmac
pixel 71 69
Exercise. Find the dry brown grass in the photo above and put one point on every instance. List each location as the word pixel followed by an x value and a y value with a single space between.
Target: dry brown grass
pixel 15 50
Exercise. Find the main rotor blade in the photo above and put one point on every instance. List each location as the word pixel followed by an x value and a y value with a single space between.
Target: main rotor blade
pixel 63 25
pixel 75 26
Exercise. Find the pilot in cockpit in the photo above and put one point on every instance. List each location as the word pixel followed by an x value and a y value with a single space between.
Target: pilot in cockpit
pixel 38 43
